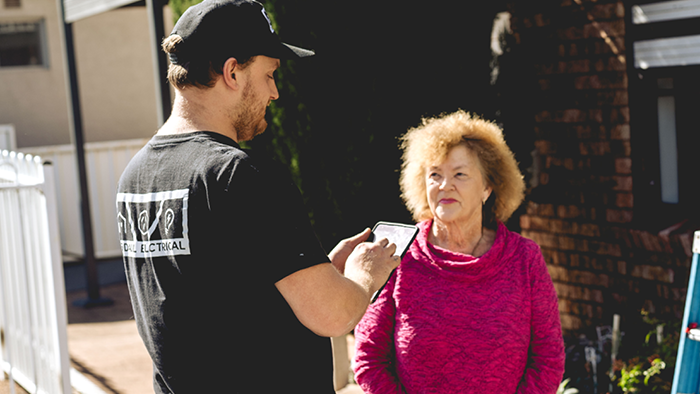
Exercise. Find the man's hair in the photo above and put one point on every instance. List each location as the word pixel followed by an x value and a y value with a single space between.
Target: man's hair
pixel 431 142
pixel 197 72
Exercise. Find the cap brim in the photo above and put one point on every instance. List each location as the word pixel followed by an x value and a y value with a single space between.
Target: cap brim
pixel 286 51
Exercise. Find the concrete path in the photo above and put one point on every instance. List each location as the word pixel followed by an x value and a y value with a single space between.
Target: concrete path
pixel 105 347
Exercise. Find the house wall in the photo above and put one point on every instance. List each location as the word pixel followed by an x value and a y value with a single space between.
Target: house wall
pixel 115 78
pixel 33 98
pixel 582 211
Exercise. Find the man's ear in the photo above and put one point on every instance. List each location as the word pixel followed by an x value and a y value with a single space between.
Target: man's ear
pixel 230 69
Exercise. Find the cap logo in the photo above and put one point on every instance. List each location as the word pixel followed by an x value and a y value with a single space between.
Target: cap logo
pixel 268 20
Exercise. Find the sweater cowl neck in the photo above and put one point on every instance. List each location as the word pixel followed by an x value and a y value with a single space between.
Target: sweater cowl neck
pixel 458 265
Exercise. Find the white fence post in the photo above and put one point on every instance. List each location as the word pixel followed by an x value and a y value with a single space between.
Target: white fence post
pixel 32 294
pixel 105 163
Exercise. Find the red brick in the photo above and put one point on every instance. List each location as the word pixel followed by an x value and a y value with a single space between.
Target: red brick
pixel 620 132
pixel 622 115
pixel 573 49
pixel 595 115
pixel 575 260
pixel 571 116
pixel 650 272
pixel 583 132
pixel 618 216
pixel 602 133
pixel 624 200
pixel 594 148
pixel 622 267
pixel 623 165
pixel 558 273
pixel 543 116
pixel 568 211
pixel 541 20
pixel 565 243
pixel 599 65
pixel 571 33
pixel 587 82
pixel 621 97
pixel 604 29
pixel 531 208
pixel 608 11
pixel 544 69
pixel 564 306
pixel 623 183
pixel 627 148
pixel 588 230
pixel 617 63
pixel 575 66
pixel 525 222
pixel 582 245
pixel 569 322
pixel 588 278
pixel 545 210
pixel 544 147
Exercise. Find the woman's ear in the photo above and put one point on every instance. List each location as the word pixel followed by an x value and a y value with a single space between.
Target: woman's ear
pixel 486 195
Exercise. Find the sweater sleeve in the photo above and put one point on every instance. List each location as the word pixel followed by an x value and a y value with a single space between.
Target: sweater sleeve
pixel 375 361
pixel 545 364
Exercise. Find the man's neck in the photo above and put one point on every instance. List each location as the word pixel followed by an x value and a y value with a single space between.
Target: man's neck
pixel 193 111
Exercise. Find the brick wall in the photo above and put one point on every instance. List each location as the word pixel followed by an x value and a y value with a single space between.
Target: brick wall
pixel 581 212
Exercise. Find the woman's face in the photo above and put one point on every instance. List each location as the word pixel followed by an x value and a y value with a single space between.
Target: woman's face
pixel 456 187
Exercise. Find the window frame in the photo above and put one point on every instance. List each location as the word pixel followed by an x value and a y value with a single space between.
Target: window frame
pixel 42 43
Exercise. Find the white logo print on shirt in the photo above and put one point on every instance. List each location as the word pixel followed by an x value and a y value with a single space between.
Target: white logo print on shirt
pixel 166 235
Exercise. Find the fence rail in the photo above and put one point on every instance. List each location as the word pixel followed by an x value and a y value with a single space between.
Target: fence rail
pixel 105 162
pixel 34 350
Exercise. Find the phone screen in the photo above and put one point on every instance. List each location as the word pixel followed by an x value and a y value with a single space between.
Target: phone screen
pixel 402 235
pixel 399 234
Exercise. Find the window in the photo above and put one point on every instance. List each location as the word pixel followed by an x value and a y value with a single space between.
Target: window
pixel 12 4
pixel 662 40
pixel 665 143
pixel 21 44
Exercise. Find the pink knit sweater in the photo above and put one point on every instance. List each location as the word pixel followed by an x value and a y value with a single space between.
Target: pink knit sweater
pixel 453 323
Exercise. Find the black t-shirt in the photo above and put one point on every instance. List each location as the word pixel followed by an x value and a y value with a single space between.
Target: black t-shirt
pixel 206 230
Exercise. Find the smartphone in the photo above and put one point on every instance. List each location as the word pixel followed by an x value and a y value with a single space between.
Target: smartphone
pixel 402 235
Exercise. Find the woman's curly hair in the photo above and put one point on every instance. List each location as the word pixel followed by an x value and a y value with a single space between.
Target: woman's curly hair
pixel 430 143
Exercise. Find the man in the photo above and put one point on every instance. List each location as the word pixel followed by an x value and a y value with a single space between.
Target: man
pixel 230 287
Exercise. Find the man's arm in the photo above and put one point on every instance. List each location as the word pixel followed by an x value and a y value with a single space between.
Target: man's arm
pixel 330 299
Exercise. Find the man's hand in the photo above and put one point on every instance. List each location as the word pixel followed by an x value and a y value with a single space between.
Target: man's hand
pixel 330 303
pixel 370 264
pixel 339 254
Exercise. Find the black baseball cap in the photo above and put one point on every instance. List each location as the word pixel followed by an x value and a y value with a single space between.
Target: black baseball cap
pixel 229 28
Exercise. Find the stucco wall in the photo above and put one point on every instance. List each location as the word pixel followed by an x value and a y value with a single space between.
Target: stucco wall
pixel 115 77
pixel 33 98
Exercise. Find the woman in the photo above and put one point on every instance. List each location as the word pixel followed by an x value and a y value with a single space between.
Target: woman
pixel 471 308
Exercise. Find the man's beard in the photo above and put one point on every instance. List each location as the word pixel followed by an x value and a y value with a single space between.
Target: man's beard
pixel 248 123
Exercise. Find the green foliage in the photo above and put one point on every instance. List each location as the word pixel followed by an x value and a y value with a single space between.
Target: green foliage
pixel 179 6
pixel 644 376
pixel 651 369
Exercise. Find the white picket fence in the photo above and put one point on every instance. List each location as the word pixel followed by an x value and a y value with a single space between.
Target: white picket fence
pixel 34 351
pixel 105 162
